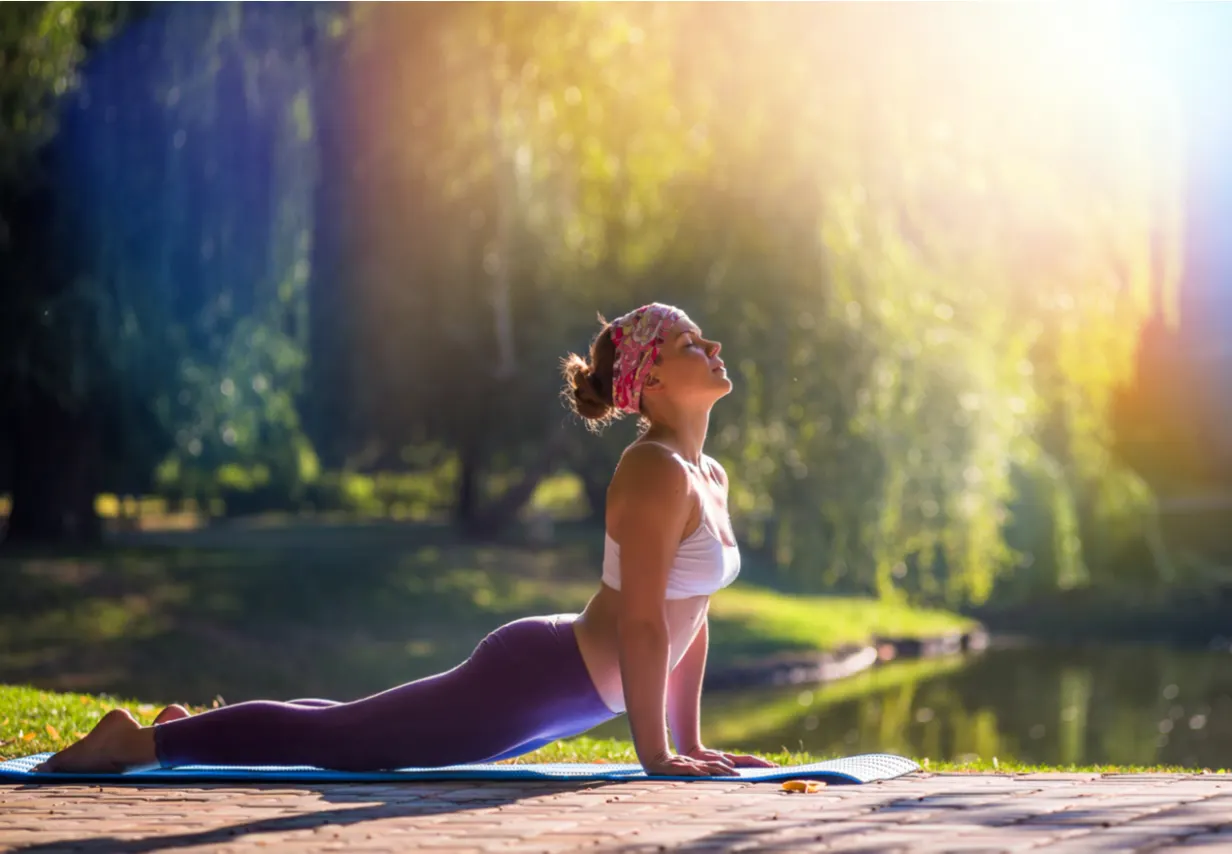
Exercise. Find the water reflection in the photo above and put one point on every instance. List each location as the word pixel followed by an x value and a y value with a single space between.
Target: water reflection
pixel 1125 705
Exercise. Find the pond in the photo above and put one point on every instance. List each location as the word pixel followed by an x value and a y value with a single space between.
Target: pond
pixel 1123 705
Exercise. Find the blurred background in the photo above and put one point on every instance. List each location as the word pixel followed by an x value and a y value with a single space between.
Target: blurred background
pixel 286 287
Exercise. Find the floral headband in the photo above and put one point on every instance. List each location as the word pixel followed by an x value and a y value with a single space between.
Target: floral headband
pixel 638 336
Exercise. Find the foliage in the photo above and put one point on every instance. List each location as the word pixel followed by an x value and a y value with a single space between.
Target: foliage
pixel 928 242
pixel 41 48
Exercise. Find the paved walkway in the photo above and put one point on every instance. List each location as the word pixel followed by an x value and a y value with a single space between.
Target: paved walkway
pixel 926 813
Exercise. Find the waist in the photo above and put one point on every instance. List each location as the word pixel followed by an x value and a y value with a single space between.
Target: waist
pixel 597 632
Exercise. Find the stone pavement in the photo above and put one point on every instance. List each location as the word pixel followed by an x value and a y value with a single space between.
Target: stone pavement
pixel 922 812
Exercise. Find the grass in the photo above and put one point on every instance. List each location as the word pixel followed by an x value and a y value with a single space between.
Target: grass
pixel 34 721
pixel 246 611
pixel 748 620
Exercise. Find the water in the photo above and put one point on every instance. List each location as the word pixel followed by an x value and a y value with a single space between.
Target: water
pixel 1123 705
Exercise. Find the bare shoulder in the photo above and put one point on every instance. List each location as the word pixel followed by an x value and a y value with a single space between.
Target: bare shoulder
pixel 653 471
pixel 651 491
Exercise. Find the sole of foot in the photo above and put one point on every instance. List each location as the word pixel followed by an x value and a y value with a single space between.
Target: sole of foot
pixel 101 751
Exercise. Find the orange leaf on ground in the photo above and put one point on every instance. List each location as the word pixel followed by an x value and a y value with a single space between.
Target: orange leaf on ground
pixel 27 736
pixel 53 732
pixel 808 787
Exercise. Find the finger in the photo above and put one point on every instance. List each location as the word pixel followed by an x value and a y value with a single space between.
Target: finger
pixel 694 767
pixel 746 761
pixel 721 770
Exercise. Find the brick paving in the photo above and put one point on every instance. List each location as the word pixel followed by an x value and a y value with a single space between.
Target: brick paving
pixel 932 813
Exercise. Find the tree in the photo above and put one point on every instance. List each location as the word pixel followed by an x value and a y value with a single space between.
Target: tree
pixel 48 333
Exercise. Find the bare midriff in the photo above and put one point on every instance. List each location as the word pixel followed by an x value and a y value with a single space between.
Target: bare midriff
pixel 598 640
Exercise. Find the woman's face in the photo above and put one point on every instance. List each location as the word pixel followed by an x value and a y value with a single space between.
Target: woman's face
pixel 689 367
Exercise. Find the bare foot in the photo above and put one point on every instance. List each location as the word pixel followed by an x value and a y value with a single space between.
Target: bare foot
pixel 116 744
pixel 172 713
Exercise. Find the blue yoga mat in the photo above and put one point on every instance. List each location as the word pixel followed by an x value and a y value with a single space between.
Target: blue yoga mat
pixel 852 769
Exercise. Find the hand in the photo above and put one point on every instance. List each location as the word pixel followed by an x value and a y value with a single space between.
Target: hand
pixel 732 760
pixel 670 765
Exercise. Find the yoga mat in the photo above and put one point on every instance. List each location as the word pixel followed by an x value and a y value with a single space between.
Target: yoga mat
pixel 852 769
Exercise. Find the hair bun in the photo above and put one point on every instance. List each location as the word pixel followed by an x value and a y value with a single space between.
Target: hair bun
pixel 588 387
pixel 589 400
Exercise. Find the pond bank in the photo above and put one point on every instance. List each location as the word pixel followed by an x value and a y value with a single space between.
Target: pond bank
pixel 814 667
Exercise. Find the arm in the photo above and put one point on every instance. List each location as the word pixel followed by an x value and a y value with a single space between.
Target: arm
pixel 648 507
pixel 684 692
pixel 684 706
pixel 685 686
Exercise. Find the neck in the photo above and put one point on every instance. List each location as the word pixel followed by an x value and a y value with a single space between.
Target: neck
pixel 685 431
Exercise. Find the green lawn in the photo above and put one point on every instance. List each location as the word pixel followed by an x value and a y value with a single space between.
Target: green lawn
pixel 747 620
pixel 339 611
pixel 33 721
pixel 325 610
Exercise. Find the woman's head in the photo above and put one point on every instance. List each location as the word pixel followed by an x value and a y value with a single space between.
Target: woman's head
pixel 652 361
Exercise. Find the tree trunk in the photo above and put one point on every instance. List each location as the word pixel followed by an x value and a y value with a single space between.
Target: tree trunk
pixel 55 475
pixel 466 509
pixel 327 400
pixel 505 509
pixel 593 465
pixel 595 488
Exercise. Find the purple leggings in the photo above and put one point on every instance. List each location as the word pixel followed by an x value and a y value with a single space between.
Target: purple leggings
pixel 524 686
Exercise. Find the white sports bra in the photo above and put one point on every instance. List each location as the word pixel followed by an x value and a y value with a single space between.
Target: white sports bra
pixel 703 564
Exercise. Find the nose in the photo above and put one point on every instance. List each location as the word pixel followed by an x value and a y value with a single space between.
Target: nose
pixel 714 347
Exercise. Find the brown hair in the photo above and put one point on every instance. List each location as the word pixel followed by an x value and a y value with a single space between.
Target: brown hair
pixel 588 381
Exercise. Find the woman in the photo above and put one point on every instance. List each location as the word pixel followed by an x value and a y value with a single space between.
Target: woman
pixel 639 646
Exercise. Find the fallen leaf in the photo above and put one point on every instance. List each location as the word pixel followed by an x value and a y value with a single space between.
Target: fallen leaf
pixel 53 732
pixel 808 787
pixel 85 699
pixel 27 736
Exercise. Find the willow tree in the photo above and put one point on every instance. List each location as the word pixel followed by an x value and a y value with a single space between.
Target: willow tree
pixel 492 144
pixel 178 218
pixel 930 246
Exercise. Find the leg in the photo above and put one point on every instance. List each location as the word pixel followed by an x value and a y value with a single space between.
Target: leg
pixel 175 711
pixel 313 702
pixel 524 685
